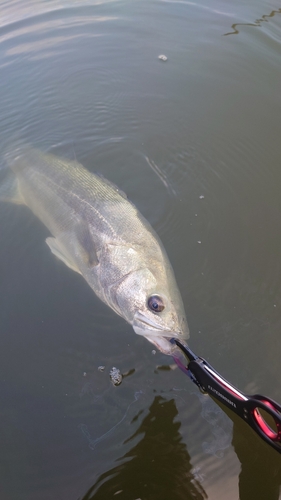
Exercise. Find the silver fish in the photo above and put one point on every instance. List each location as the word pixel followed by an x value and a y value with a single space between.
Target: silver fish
pixel 98 233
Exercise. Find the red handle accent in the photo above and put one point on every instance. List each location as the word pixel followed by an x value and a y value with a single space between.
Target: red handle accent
pixel 262 423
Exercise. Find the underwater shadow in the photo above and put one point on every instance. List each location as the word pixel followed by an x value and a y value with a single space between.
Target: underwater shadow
pixel 157 467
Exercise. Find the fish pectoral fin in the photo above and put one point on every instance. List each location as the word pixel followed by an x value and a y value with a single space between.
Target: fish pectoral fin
pixel 87 244
pixel 59 252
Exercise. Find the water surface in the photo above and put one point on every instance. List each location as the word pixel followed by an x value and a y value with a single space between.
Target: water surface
pixel 195 144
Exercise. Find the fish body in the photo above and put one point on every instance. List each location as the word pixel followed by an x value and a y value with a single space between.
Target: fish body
pixel 98 233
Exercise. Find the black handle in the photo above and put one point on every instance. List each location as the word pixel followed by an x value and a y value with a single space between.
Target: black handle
pixel 249 408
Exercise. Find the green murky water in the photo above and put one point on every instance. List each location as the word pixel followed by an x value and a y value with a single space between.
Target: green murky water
pixel 194 141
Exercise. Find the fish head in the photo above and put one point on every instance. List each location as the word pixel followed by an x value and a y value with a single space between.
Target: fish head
pixel 151 302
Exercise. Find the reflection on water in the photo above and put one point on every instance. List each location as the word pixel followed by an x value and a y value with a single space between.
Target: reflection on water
pixel 162 176
pixel 159 450
pixel 260 476
pixel 220 427
pixel 257 23
pixel 94 441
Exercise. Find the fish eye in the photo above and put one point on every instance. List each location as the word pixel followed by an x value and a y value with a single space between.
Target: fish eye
pixel 155 303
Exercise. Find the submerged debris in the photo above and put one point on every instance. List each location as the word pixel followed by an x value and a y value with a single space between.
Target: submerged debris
pixel 115 376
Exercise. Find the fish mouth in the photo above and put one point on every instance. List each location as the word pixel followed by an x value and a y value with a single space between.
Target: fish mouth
pixel 154 333
pixel 146 325
pixel 163 344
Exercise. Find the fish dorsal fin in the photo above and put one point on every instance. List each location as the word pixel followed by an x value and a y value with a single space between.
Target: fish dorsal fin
pixel 112 185
pixel 57 249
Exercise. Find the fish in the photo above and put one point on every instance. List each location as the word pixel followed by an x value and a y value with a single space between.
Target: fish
pixel 97 232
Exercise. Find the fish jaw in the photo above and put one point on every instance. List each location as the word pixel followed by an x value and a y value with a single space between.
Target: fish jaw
pixel 156 334
pixel 163 344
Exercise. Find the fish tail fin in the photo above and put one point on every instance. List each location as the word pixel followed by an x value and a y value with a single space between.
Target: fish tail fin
pixel 9 185
pixel 9 189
